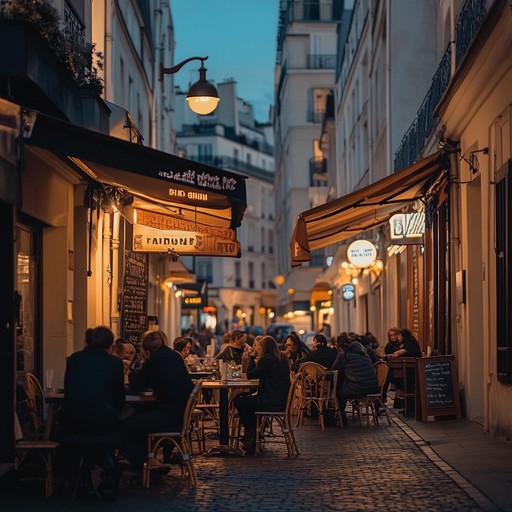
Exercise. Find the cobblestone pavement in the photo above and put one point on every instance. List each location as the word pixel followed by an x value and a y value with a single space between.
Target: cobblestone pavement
pixel 351 469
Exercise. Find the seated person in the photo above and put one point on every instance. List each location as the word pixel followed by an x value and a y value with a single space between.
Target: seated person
pixel 164 372
pixel 392 344
pixel 356 374
pixel 94 397
pixel 269 365
pixel 407 346
pixel 293 349
pixel 321 353
pixel 184 347
pixel 235 349
pixel 126 352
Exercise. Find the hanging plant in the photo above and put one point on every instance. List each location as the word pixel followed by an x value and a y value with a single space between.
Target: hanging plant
pixel 82 60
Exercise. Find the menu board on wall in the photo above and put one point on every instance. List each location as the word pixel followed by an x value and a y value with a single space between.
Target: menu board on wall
pixel 135 296
pixel 438 387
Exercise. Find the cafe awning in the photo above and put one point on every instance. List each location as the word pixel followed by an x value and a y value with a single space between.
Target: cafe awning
pixel 362 209
pixel 170 184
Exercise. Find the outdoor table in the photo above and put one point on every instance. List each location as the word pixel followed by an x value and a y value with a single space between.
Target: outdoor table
pixel 399 366
pixel 224 386
pixel 55 397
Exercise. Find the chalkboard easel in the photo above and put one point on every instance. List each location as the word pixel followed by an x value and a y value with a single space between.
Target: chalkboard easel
pixel 438 389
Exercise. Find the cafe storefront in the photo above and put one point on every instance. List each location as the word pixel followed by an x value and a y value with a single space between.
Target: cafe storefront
pixel 399 286
pixel 98 229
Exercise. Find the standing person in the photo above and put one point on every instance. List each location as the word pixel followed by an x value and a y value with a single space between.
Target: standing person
pixel 293 349
pixel 271 367
pixel 235 349
pixel 164 372
pixel 321 353
pixel 356 375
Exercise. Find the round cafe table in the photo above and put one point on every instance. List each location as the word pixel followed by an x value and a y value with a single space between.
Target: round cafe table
pixel 224 386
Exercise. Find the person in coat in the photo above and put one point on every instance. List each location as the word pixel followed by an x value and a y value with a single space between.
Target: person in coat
pixel 356 375
pixel 271 367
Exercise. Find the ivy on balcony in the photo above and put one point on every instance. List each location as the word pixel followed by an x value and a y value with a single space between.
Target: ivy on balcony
pixel 81 59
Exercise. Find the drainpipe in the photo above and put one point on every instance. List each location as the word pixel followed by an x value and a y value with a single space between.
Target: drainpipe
pixel 107 61
pixel 157 43
pixel 114 311
pixel 107 269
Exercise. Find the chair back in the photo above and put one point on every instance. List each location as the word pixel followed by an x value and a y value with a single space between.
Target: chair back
pixel 292 394
pixel 35 402
pixel 381 370
pixel 189 409
pixel 314 380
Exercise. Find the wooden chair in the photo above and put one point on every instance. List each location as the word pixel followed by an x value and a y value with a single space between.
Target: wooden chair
pixel 34 450
pixel 317 388
pixel 373 403
pixel 181 441
pixel 267 421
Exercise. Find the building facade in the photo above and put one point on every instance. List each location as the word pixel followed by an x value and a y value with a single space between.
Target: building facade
pixel 305 73
pixel 241 292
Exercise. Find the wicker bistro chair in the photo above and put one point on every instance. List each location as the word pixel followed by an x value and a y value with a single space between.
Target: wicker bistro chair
pixel 317 387
pixel 373 403
pixel 180 440
pixel 34 449
pixel 267 422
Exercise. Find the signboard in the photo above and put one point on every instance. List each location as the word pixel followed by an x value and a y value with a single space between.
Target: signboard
pixel 407 228
pixel 438 389
pixel 135 296
pixel 147 239
pixel 193 302
pixel 361 253
pixel 348 291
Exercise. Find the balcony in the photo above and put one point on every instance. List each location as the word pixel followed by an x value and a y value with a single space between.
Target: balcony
pixel 469 20
pixel 319 61
pixel 318 172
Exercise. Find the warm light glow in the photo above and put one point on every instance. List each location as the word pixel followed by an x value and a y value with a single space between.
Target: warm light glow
pixel 202 105
pixel 355 280
pixel 279 280
pixel 312 308
pixel 178 293
pixel 271 314
pixel 291 291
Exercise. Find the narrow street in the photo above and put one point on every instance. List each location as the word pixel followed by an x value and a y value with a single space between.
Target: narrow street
pixel 350 469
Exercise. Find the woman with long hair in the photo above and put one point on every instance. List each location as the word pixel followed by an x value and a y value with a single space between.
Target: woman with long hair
pixel 271 367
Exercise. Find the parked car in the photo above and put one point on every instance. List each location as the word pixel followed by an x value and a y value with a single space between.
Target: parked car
pixel 279 332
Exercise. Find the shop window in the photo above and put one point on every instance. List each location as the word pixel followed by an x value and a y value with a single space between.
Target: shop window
pixel 503 272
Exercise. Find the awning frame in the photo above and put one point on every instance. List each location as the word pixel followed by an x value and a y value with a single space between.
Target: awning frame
pixel 363 209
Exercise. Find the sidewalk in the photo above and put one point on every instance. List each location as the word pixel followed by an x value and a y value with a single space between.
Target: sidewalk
pixel 481 459
pixel 406 466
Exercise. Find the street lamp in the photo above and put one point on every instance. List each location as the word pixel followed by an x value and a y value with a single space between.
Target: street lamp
pixel 202 97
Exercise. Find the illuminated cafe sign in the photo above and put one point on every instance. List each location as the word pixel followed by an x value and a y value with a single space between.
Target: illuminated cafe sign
pixel 146 239
pixel 193 302
pixel 407 226
pixel 361 253
pixel 191 196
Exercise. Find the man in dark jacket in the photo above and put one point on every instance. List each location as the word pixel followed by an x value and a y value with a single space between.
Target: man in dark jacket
pixel 93 387
pixel 321 353
pixel 165 372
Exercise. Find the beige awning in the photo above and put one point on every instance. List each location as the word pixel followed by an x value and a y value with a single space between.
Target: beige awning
pixel 362 209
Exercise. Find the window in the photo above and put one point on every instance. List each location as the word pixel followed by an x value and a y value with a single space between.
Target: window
pixel 204 152
pixel 238 275
pixel 503 269
pixel 317 104
pixel 251 274
pixel 205 271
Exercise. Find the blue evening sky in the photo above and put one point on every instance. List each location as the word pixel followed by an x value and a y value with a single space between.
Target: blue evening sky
pixel 239 38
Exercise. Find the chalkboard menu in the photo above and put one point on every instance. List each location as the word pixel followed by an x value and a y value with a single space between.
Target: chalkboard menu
pixel 438 387
pixel 135 296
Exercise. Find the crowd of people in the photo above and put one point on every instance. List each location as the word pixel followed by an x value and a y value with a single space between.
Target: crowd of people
pixel 98 377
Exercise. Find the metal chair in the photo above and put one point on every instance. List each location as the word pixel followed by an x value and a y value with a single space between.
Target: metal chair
pixel 157 441
pixel 267 420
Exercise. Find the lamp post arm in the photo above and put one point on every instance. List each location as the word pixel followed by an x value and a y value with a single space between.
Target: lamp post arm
pixel 177 67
